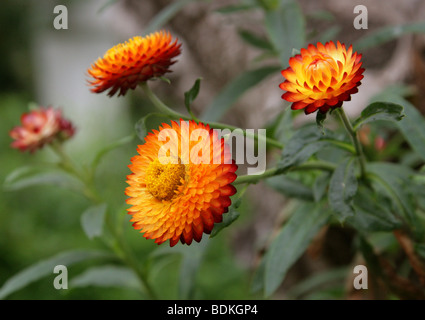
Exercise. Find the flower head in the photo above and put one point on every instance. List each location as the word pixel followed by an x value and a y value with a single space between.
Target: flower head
pixel 180 183
pixel 39 127
pixel 127 64
pixel 322 77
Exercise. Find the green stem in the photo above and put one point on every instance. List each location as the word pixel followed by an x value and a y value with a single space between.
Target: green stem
pixel 355 140
pixel 163 108
pixel 314 165
pixel 85 177
pixel 122 251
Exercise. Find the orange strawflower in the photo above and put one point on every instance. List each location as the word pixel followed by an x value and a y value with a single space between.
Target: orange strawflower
pixel 177 192
pixel 322 77
pixel 39 127
pixel 139 59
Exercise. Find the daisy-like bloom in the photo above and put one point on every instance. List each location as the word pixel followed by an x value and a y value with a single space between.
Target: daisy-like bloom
pixel 181 198
pixel 322 77
pixel 139 59
pixel 39 127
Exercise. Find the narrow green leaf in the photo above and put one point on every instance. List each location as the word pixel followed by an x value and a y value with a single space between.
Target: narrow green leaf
pixel 320 119
pixel 290 187
pixel 191 259
pixel 166 15
pixel 234 90
pixel 388 33
pixel 190 96
pixel 291 243
pixel 317 282
pixel 255 41
pixel 284 128
pixel 228 218
pixel 328 34
pixel 142 126
pixel 30 176
pixel 104 151
pixel 286 29
pixel 342 189
pixel 106 5
pixel 304 143
pixel 413 128
pixel 379 111
pixel 320 186
pixel 45 268
pixel 92 220
pixel 189 269
pixel 394 180
pixel 372 214
pixel 236 8
pixel 106 276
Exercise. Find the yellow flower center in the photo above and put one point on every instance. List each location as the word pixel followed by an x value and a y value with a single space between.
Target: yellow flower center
pixel 162 180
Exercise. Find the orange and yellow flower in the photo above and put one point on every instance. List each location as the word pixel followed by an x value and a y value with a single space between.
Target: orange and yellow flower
pixel 39 127
pixel 322 77
pixel 139 59
pixel 181 185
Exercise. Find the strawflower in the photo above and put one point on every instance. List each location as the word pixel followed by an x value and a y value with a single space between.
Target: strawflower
pixel 180 200
pixel 127 64
pixel 39 127
pixel 322 77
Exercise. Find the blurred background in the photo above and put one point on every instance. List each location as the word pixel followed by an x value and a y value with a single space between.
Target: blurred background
pixel 44 66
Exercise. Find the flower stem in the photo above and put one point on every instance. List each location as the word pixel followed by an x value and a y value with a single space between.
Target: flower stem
pixel 355 140
pixel 314 165
pixel 121 250
pixel 163 108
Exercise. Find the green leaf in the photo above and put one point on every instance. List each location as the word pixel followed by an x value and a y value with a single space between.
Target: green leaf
pixel 270 4
pixel 255 41
pixel 290 187
pixel 379 111
pixel 45 267
pixel 142 126
pixel 320 186
pixel 236 8
pixel 106 276
pixel 320 119
pixel 286 29
pixel 372 213
pixel 388 33
pixel 342 189
pixel 291 243
pixel 190 96
pixel 92 220
pixel 165 15
pixel 413 128
pixel 283 129
pixel 317 282
pixel 30 176
pixel 228 218
pixel 106 5
pixel 191 258
pixel 104 151
pixel 304 143
pixel 330 33
pixel 393 180
pixel 234 90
